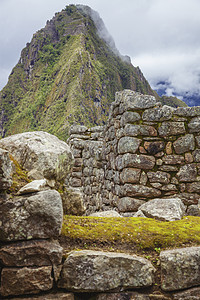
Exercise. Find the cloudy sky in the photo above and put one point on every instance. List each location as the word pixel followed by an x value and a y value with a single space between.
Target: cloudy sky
pixel 160 36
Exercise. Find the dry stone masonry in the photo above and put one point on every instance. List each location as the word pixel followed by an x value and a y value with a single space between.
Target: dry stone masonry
pixel 144 162
pixel 146 151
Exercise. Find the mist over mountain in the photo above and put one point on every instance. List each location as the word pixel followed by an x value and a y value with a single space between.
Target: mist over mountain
pixel 68 74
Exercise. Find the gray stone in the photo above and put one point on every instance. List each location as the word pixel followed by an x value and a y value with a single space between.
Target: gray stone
pixel 184 144
pixel 73 202
pixel 40 153
pixel 158 114
pixel 5 170
pixel 187 111
pixel 135 130
pixel 128 204
pixel 106 214
pixel 159 176
pixel 122 296
pixel 138 161
pixel 130 175
pixel 193 210
pixel 194 125
pixel 196 155
pixel 52 296
pixel 31 253
pixel 136 101
pixel 129 117
pixel 95 271
pixel 187 173
pixel 31 216
pixel 131 190
pixel 193 187
pixel 33 187
pixel 78 129
pixel 168 168
pixel 128 144
pixel 180 268
pixel 173 159
pixel 171 128
pixel 198 140
pixel 170 209
pixel 191 294
pixel 22 281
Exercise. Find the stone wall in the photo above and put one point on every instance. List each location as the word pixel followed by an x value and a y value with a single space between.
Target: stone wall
pixel 145 151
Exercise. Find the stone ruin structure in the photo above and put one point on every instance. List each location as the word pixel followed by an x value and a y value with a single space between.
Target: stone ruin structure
pixel 145 151
pixel 146 157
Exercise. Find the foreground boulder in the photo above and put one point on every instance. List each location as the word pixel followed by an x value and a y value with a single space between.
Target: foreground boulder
pixel 5 170
pixel 40 153
pixel 170 209
pixel 95 271
pixel 31 216
pixel 180 268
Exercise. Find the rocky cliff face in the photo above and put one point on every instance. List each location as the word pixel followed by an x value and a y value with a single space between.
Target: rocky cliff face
pixel 67 74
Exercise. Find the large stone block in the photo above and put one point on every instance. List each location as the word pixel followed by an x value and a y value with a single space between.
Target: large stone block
pixel 173 159
pixel 130 175
pixel 187 111
pixel 159 176
pixel 123 296
pixel 40 153
pixel 184 144
pixel 128 204
pixel 154 147
pixel 180 268
pixel 95 271
pixel 31 216
pixel 193 187
pixel 190 294
pixel 196 155
pixel 50 296
pixel 194 125
pixel 171 128
pixel 135 130
pixel 128 145
pixel 134 190
pixel 131 100
pixel 5 170
pixel 31 253
pixel 73 202
pixel 170 209
pixel 158 114
pixel 187 173
pixel 138 161
pixel 129 117
pixel 20 281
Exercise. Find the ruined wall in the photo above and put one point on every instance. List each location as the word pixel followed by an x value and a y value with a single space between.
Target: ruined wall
pixel 145 151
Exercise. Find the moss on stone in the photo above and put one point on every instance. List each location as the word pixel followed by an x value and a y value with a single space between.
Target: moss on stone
pixel 142 233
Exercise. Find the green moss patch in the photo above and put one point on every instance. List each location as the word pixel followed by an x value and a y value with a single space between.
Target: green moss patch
pixel 137 234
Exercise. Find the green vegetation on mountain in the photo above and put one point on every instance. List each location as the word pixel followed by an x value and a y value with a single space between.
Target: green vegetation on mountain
pixel 67 74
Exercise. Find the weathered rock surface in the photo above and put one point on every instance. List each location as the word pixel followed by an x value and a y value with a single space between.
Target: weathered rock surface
pixel 136 101
pixel 184 144
pixel 160 114
pixel 94 271
pixel 19 281
pixel 33 216
pixel 31 253
pixel 130 175
pixel 5 170
pixel 73 203
pixel 194 125
pixel 42 154
pixel 130 117
pixel 138 161
pixel 180 268
pixel 154 147
pixel 140 191
pixel 128 204
pixel 122 296
pixel 106 214
pixel 159 176
pixel 171 128
pixel 170 209
pixel 187 173
pixel 33 187
pixel 191 294
pixel 52 296
pixel 128 144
